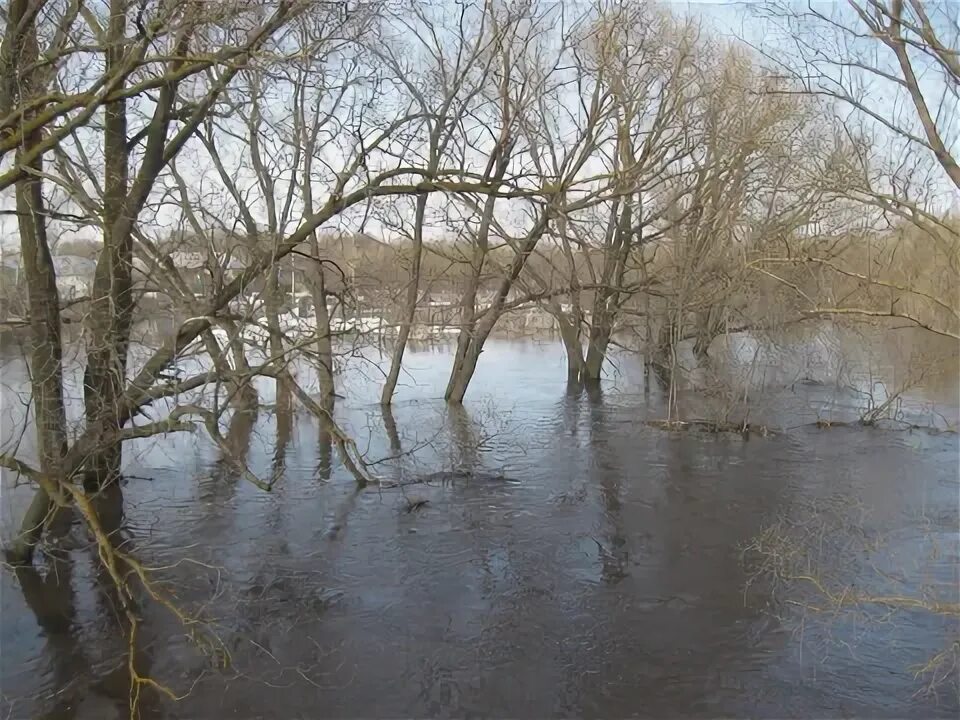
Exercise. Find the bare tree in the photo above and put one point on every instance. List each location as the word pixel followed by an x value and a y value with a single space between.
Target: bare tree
pixel 524 76
pixel 892 64
pixel 865 53
pixel 76 79
pixel 24 89
pixel 455 67
pixel 368 171
pixel 649 84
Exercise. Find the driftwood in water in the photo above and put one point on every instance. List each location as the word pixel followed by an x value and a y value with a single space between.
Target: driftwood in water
pixel 448 477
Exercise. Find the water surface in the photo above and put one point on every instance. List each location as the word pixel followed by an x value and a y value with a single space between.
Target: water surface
pixel 592 565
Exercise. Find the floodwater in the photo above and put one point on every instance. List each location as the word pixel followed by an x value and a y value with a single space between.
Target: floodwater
pixel 572 561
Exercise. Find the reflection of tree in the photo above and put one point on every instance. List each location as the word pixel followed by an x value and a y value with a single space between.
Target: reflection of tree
pixel 614 553
pixel 234 451
pixel 325 440
pixel 570 408
pixel 285 417
pixel 50 599
pixel 115 685
pixel 463 436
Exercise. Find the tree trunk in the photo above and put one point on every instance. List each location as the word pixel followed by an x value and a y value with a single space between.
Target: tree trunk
pixel 44 304
pixel 663 351
pixel 571 344
pixel 410 307
pixel 469 348
pixel 324 343
pixel 44 307
pixel 464 368
pixel 597 349
pixel 325 441
pixel 390 425
pixel 318 287
pixel 111 305
pixel 271 306
pixel 701 346
pixel 608 299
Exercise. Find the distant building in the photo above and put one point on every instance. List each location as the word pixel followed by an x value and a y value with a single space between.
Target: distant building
pixel 74 275
pixel 188 260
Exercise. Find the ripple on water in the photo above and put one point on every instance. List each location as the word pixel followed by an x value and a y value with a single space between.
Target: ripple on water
pixel 607 582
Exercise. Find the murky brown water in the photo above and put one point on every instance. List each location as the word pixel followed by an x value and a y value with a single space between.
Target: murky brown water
pixel 591 566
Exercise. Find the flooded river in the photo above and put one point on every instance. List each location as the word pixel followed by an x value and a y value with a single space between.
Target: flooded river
pixel 564 559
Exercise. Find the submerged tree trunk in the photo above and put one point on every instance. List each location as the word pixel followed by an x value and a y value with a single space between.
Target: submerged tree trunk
pixel 44 307
pixel 609 298
pixel 596 350
pixel 466 339
pixel 570 336
pixel 324 343
pixel 474 333
pixel 410 305
pixel 464 368
pixel 111 298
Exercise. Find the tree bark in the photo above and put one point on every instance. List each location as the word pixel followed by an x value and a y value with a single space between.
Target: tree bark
pixel 597 349
pixel 663 351
pixel 462 373
pixel 468 352
pixel 324 343
pixel 111 305
pixel 708 328
pixel 410 306
pixel 44 307
pixel 570 337
pixel 608 299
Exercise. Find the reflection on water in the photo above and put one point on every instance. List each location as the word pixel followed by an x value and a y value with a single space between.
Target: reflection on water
pixel 578 562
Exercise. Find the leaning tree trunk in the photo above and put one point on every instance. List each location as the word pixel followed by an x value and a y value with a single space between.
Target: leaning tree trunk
pixel 410 306
pixel 465 363
pixel 462 373
pixel 324 343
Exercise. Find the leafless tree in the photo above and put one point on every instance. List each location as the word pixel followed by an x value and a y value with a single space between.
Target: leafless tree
pixel 116 70
pixel 891 67
pixel 528 76
pixel 444 69
pixel 649 84
pixel 366 141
